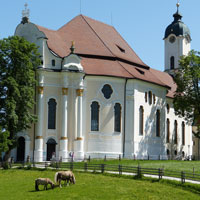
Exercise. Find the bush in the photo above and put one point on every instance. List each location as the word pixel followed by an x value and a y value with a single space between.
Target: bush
pixel 5 165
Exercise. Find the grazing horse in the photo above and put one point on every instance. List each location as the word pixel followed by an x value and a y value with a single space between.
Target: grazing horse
pixel 65 176
pixel 43 181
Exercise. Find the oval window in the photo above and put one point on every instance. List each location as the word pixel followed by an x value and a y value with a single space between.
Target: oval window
pixel 107 91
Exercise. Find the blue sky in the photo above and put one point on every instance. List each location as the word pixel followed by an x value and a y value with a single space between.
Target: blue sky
pixel 140 22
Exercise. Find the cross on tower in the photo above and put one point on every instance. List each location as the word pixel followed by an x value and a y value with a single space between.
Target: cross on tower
pixel 25 14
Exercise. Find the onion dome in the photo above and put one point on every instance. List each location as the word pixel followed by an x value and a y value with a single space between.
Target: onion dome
pixel 177 27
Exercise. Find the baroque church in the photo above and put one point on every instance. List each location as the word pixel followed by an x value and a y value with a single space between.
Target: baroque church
pixel 95 96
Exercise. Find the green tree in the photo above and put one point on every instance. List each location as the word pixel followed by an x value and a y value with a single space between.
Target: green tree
pixel 187 96
pixel 18 62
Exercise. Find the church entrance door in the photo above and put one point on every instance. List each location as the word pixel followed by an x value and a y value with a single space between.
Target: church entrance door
pixel 51 149
pixel 21 149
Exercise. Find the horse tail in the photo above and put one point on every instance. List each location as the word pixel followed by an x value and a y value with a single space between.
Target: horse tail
pixel 36 185
pixel 74 180
pixel 56 178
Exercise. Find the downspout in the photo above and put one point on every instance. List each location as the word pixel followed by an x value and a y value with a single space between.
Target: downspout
pixel 124 136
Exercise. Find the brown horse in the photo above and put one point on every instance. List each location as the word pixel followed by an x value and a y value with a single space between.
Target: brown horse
pixel 65 176
pixel 43 181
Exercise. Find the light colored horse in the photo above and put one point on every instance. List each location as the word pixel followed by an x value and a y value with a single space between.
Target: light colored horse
pixel 43 181
pixel 65 176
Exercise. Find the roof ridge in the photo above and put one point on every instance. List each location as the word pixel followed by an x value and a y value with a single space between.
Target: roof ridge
pixel 129 46
pixel 98 35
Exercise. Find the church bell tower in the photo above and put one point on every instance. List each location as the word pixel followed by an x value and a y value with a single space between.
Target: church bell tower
pixel 177 42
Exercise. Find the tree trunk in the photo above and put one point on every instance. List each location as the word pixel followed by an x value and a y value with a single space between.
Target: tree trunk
pixel 7 155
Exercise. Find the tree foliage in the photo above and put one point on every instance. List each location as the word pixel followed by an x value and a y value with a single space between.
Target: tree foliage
pixel 18 62
pixel 187 97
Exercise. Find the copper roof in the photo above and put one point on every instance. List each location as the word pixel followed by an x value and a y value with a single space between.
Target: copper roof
pixel 103 51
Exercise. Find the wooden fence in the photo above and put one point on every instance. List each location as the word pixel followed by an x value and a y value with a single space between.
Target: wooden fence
pixel 136 171
pixel 130 170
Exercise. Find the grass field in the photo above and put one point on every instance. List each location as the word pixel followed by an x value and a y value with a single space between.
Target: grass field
pixel 186 166
pixel 16 184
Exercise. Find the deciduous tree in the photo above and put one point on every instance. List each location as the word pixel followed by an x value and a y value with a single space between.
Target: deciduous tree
pixel 18 62
pixel 187 97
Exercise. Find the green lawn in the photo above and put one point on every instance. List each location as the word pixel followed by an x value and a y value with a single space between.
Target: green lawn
pixel 18 184
pixel 186 166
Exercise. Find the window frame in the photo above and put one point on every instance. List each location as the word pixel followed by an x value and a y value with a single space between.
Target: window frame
pixel 141 121
pixel 94 120
pixel 117 117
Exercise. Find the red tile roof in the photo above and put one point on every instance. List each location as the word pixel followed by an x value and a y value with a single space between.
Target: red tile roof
pixel 103 51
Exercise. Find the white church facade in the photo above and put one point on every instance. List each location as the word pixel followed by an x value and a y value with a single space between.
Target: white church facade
pixel 96 97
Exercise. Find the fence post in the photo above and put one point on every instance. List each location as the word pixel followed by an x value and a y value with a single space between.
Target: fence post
pixel 105 158
pixel 148 156
pixel 46 165
pixel 85 167
pixel 160 173
pixel 119 157
pixel 102 168
pixel 56 165
pixel 71 166
pixel 120 169
pixel 193 171
pixel 182 177
pixel 139 174
pixel 89 159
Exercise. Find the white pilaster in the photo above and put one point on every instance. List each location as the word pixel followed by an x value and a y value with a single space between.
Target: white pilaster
pixel 38 153
pixel 78 144
pixel 64 139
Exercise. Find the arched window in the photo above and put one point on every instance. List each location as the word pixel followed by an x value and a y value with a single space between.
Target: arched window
pixel 95 116
pixel 175 132
pixel 53 62
pixel 117 111
pixel 168 152
pixel 168 108
pixel 52 114
pixel 154 98
pixel 168 130
pixel 183 133
pixel 150 97
pixel 172 62
pixel 21 149
pixel 145 97
pixel 141 120
pixel 158 123
pixel 183 154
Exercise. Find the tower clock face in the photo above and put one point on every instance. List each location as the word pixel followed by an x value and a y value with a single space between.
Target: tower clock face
pixel 172 39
